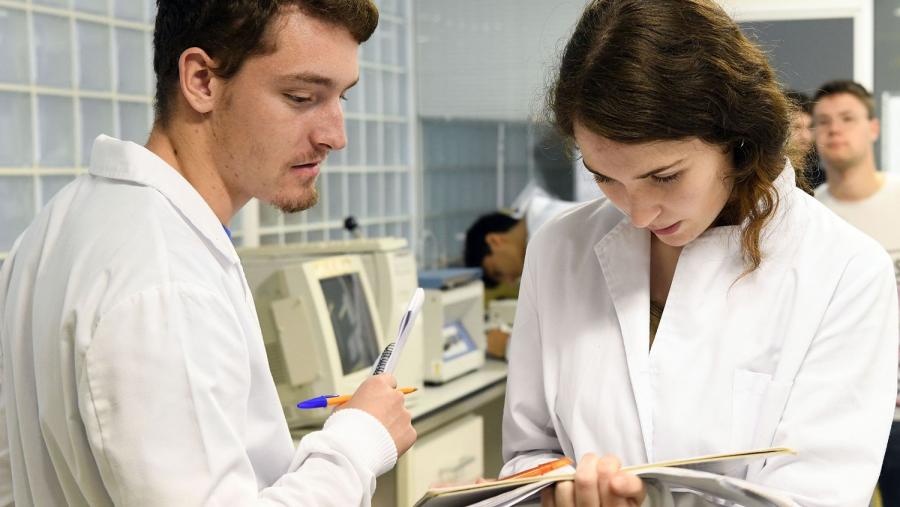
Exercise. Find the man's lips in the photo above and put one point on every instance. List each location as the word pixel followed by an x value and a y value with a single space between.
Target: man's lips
pixel 311 167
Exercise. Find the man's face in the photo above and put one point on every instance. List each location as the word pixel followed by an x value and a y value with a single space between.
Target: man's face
pixel 504 264
pixel 281 114
pixel 844 133
pixel 801 131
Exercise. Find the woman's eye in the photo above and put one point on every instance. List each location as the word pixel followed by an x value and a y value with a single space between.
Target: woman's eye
pixel 599 178
pixel 666 179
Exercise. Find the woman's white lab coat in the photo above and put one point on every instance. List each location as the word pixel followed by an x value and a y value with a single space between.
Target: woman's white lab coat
pixel 800 353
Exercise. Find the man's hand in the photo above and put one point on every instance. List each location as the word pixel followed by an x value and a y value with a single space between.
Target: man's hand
pixel 598 483
pixel 378 396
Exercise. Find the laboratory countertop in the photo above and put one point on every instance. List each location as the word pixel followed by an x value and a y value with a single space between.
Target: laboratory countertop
pixel 432 406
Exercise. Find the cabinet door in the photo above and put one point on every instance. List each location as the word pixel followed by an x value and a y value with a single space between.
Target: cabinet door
pixel 451 454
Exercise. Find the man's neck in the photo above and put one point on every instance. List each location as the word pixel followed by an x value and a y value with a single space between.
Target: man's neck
pixel 185 148
pixel 856 182
pixel 519 236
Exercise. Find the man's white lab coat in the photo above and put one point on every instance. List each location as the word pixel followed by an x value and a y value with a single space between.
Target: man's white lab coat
pixel 134 370
pixel 800 353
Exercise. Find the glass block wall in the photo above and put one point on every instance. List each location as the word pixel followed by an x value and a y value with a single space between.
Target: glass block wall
pixel 69 70
pixel 72 69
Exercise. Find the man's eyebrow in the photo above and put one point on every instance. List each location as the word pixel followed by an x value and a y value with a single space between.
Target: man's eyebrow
pixel 641 177
pixel 315 79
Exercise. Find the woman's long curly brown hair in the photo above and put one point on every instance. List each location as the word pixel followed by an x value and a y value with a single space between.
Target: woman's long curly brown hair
pixel 637 71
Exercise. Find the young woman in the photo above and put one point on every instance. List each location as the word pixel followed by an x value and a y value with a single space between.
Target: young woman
pixel 710 305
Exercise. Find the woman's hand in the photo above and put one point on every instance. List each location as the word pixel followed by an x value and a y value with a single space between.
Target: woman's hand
pixel 599 482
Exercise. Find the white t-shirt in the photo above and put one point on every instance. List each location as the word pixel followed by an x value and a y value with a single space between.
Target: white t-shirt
pixel 878 215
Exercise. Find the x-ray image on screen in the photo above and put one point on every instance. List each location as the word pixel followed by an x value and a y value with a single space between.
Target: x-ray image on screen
pixel 351 319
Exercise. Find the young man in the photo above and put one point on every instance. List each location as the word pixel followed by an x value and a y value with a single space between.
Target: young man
pixel 845 132
pixel 802 150
pixel 496 242
pixel 134 371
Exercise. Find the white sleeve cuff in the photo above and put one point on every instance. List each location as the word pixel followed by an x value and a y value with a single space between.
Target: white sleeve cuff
pixel 371 441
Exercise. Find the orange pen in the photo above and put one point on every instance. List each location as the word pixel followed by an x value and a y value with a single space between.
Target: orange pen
pixel 541 469
pixel 330 401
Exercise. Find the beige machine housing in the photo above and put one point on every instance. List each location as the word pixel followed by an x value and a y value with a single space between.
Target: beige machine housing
pixel 392 275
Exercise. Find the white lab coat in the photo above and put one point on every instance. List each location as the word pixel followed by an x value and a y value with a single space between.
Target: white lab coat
pixel 800 353
pixel 542 208
pixel 134 371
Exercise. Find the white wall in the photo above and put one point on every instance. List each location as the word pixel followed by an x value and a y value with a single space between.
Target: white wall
pixel 488 59
pixel 492 59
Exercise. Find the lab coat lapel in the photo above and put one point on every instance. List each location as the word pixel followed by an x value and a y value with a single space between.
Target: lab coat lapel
pixel 624 256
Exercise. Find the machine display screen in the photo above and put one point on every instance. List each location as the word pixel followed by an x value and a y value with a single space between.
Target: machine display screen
pixel 351 319
pixel 457 341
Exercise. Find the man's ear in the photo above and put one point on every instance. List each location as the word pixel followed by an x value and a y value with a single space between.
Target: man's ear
pixel 494 239
pixel 875 126
pixel 197 80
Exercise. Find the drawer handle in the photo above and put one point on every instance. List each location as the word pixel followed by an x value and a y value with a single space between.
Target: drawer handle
pixel 451 474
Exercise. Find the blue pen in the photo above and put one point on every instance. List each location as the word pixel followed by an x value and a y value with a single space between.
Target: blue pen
pixel 317 402
pixel 333 399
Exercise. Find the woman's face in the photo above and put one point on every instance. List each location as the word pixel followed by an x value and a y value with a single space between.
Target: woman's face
pixel 676 189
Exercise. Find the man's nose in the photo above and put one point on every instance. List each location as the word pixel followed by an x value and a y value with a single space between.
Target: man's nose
pixel 330 132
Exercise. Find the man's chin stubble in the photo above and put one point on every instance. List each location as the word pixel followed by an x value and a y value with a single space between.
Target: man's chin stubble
pixel 298 205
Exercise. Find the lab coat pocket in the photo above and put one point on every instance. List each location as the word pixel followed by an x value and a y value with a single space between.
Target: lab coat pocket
pixel 747 396
pixel 757 407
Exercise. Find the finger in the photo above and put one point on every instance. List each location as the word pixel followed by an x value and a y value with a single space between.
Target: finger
pixel 628 486
pixel 564 494
pixel 586 492
pixel 390 379
pixel 607 467
pixel 547 497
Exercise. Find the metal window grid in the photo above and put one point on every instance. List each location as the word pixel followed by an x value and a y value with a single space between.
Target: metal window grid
pixel 469 168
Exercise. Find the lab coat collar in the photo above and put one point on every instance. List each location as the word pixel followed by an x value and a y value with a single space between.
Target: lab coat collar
pixel 127 161
pixel 624 257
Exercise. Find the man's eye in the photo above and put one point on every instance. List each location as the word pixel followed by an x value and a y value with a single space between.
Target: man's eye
pixel 297 98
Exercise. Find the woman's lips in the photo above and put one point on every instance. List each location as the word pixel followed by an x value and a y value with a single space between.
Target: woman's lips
pixel 667 230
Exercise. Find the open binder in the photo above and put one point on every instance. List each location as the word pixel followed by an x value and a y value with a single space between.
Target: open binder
pixel 662 477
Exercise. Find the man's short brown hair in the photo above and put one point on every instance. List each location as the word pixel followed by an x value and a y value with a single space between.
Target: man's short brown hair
pixel 849 87
pixel 230 31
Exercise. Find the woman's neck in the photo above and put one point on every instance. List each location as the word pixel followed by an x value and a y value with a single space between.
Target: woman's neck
pixel 663 260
